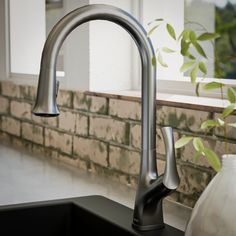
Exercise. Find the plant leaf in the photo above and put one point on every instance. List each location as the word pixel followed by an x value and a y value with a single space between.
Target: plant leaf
pixel 220 122
pixel 190 56
pixel 186 66
pixel 156 20
pixel 231 95
pixel 184 47
pixel 171 31
pixel 193 74
pixel 202 67
pixel 152 30
pixel 208 36
pixel 167 50
pixel 184 35
pixel 198 145
pixel 228 110
pixel 160 60
pixel 212 159
pixel 213 85
pixel 199 49
pixel 192 36
pixel 209 123
pixel 182 141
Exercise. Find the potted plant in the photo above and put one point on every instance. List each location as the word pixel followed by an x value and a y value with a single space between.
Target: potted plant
pixel 214 211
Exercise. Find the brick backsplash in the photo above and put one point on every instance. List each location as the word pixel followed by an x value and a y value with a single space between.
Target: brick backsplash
pixel 101 134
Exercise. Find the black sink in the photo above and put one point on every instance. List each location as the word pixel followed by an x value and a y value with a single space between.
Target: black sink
pixel 93 215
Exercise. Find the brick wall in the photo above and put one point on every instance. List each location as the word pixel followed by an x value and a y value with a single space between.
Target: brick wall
pixel 101 134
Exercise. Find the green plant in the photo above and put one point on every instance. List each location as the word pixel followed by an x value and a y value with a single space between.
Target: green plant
pixel 190 48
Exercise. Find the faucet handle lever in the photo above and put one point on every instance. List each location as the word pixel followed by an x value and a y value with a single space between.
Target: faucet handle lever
pixel 171 178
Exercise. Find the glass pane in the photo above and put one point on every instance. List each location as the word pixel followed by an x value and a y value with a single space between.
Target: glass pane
pixel 215 16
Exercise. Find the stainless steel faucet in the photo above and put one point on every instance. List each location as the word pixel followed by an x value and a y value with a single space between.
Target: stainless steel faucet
pixel 152 188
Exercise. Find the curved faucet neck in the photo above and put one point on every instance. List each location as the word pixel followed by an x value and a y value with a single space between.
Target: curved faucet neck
pixel 47 80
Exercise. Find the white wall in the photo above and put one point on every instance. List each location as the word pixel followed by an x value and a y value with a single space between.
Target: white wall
pixel 27 35
pixel 110 52
pixel 76 52
pixel 173 13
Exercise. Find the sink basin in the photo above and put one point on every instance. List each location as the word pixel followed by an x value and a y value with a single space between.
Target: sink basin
pixel 92 215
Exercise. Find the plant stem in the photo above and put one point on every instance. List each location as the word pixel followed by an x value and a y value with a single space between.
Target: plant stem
pixel 225 135
pixel 225 126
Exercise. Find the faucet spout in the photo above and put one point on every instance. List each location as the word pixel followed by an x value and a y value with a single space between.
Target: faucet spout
pixel 45 104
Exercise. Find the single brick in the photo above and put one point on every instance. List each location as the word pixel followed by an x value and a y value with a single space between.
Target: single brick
pixel 67 120
pixel 11 125
pixel 108 129
pixel 64 98
pixel 58 140
pixel 90 149
pixel 125 109
pixel 192 180
pixel 32 93
pixel 24 91
pixel 32 133
pixel 81 124
pixel 48 121
pixel 97 104
pixel 80 101
pixel 10 89
pixel 4 105
pixel 21 110
pixel 181 118
pixel 124 160
pixel 135 136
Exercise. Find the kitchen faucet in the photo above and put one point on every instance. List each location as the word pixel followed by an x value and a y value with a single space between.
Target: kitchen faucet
pixel 148 214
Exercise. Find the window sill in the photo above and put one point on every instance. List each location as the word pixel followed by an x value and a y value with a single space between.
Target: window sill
pixel 165 99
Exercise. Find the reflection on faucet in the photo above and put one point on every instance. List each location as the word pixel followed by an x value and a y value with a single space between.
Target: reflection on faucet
pixel 151 187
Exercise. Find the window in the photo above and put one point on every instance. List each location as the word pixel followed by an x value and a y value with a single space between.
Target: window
pixel 26 35
pixel 82 57
pixel 216 16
